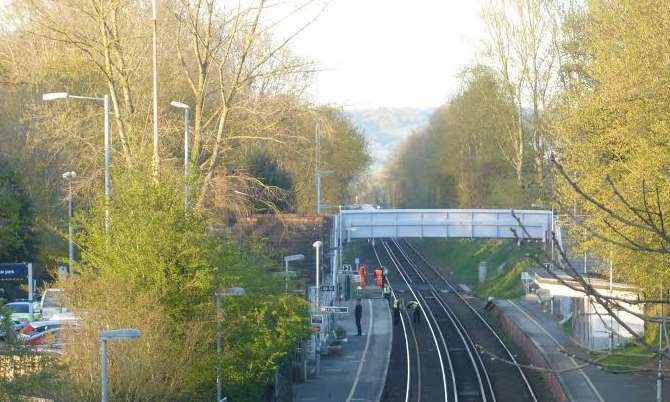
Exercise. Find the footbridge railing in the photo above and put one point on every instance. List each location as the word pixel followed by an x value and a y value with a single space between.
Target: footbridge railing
pixel 455 223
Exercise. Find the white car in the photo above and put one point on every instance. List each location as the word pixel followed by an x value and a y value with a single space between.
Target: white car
pixel 53 303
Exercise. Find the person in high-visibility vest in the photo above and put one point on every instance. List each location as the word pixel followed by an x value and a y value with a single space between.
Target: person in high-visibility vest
pixel 396 311
pixel 362 272
pixel 386 292
pixel 379 277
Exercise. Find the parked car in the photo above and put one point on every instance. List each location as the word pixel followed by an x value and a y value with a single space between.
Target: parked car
pixel 49 333
pixel 49 337
pixel 21 310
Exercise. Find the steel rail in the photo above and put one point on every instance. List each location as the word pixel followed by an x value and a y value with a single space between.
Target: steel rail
pixel 476 362
pixel 430 326
pixel 416 346
pixel 479 316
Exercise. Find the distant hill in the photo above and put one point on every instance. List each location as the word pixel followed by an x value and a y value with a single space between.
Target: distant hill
pixel 386 128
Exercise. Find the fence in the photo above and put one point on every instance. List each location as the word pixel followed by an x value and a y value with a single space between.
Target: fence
pixel 17 361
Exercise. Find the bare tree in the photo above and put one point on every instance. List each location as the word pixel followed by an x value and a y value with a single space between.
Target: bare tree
pixel 523 49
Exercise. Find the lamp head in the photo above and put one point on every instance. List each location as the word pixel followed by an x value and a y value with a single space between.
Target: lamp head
pixel 54 96
pixel 317 244
pixel 180 105
pixel 120 334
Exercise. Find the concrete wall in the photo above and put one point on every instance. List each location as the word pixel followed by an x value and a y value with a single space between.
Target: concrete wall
pixel 534 355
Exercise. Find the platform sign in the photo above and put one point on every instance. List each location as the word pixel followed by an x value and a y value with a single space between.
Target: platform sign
pixel 357 262
pixel 317 319
pixel 315 328
pixel 13 271
pixel 334 309
pixel 347 268
pixel 327 288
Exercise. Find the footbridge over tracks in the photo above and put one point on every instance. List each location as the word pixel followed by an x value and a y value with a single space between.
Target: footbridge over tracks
pixel 455 223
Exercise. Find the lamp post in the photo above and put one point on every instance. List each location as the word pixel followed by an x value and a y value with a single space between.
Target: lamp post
pixel 108 154
pixel 218 294
pixel 187 115
pixel 318 172
pixel 69 176
pixel 112 335
pixel 291 258
pixel 317 246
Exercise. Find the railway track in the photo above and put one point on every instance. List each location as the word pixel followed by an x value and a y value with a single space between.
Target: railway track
pixel 448 337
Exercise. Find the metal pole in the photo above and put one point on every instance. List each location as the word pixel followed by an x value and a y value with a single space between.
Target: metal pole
pixel 155 88
pixel 286 268
pixel 318 168
pixel 611 295
pixel 318 310
pixel 219 390
pixel 31 291
pixel 108 162
pixel 318 283
pixel 103 371
pixel 187 116
pixel 553 237
pixel 659 376
pixel 339 250
pixel 70 248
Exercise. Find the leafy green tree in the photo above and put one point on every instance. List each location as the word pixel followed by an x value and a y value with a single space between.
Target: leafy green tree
pixel 17 239
pixel 156 270
pixel 456 161
pixel 611 133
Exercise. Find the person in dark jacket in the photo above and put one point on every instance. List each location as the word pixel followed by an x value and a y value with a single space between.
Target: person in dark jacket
pixel 358 313
pixel 416 311
pixel 396 311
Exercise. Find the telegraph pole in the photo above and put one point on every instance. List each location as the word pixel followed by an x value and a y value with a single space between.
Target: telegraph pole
pixel 317 158
pixel 317 169
pixel 155 91
pixel 659 375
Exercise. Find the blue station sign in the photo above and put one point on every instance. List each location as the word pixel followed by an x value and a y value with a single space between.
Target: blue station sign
pixel 13 271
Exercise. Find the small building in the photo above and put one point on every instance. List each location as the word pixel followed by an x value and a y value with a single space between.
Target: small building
pixel 592 326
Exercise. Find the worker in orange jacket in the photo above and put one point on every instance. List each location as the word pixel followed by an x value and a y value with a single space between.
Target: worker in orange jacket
pixel 362 272
pixel 379 277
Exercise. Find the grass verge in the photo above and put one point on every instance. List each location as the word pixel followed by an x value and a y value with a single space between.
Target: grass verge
pixel 461 257
pixel 629 358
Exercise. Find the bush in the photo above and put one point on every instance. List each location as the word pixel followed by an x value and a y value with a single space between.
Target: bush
pixel 157 271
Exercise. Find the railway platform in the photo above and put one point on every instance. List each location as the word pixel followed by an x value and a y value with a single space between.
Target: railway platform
pixel 358 373
pixel 579 382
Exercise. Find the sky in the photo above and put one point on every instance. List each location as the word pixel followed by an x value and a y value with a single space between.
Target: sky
pixel 390 53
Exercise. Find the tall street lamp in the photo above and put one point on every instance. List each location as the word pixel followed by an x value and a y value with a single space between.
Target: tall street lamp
pixel 317 245
pixel 112 335
pixel 108 154
pixel 317 357
pixel 218 294
pixel 187 115
pixel 69 176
